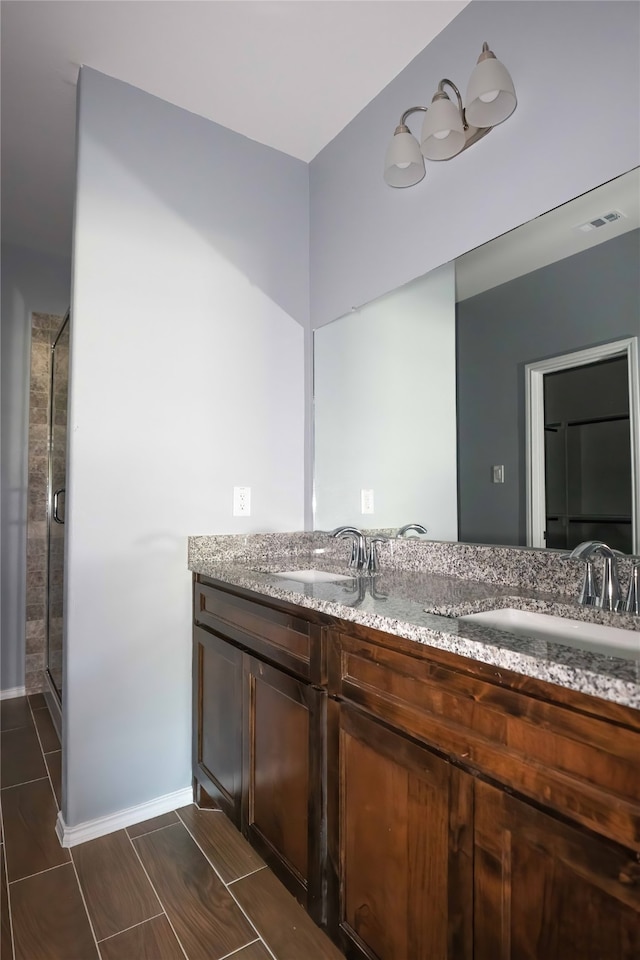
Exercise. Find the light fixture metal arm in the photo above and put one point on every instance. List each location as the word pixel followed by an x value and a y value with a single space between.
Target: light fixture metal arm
pixel 441 93
pixel 402 126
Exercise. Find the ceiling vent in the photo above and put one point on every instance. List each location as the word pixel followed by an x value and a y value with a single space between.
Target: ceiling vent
pixel 602 221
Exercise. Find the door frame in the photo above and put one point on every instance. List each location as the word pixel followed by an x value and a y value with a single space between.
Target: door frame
pixel 534 416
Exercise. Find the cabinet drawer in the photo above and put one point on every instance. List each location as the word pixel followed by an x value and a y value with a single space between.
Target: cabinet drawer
pixel 280 637
pixel 578 764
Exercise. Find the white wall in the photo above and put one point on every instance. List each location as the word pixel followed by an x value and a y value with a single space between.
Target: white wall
pixel 385 411
pixel 32 282
pixel 190 292
pixel 576 71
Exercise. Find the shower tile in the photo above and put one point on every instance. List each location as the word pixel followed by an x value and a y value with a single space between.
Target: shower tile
pixel 36 682
pixel 36 581
pixel 36 553
pixel 38 413
pixel 37 529
pixel 37 642
pixel 36 611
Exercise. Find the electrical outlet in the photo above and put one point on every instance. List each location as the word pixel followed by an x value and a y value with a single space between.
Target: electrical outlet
pixel 242 501
pixel 366 501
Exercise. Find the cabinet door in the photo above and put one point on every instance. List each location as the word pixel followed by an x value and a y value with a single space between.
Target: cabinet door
pixel 217 711
pixel 545 890
pixel 283 791
pixel 403 846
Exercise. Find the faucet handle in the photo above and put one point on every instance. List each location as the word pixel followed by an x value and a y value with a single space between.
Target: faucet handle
pixel 373 561
pixel 632 603
pixel 610 589
pixel 588 593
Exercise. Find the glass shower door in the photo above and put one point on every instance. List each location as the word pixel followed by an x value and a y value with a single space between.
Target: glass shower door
pixel 58 400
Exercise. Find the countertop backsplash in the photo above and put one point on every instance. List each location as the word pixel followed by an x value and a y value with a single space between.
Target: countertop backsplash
pixel 536 569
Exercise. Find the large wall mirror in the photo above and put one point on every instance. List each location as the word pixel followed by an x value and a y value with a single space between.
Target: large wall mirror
pixel 497 392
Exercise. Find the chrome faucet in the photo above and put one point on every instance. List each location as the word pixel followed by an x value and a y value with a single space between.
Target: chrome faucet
pixel 609 597
pixel 359 553
pixel 632 603
pixel 417 527
pixel 373 562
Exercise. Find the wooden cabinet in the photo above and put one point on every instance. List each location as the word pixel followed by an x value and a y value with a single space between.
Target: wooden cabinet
pixel 545 890
pixel 259 733
pixel 471 819
pixel 403 848
pixel 421 806
pixel 218 719
pixel 283 803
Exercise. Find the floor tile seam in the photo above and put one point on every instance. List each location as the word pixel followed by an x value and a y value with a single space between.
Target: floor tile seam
pixel 49 752
pixel 38 873
pixel 24 783
pixel 226 886
pixel 86 908
pixel 44 752
pixel 242 909
pixel 21 726
pixel 46 765
pixel 155 830
pixel 55 798
pixel 260 936
pixel 153 887
pixel 6 880
pixel 245 875
pixel 35 726
pixel 234 953
pixel 203 852
pixel 133 926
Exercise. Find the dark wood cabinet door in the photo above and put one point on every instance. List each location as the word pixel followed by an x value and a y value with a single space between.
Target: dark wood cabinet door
pixel 545 890
pixel 403 846
pixel 283 791
pixel 217 740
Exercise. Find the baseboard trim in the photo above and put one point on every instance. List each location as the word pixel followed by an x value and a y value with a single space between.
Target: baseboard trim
pixel 12 692
pixel 92 829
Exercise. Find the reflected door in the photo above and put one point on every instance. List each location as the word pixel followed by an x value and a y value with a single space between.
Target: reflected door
pixel 58 401
pixel 588 455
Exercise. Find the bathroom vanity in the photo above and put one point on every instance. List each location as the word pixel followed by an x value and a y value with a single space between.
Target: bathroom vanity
pixel 428 788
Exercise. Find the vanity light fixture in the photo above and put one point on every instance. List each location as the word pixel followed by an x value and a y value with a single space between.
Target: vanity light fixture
pixel 449 129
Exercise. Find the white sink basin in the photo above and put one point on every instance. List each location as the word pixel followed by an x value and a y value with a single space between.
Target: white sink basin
pixel 311 576
pixel 595 637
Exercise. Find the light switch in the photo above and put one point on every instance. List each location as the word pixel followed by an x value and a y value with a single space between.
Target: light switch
pixel 497 473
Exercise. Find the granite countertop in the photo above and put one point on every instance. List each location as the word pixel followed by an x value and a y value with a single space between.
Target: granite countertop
pixel 422 606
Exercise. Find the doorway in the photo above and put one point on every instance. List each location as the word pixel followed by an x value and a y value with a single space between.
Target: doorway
pixel 582 448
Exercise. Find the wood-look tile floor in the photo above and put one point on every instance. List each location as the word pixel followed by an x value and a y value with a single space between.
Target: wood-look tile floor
pixel 183 885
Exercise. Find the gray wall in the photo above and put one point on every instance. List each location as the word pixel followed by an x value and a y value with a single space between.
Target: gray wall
pixel 577 75
pixel 31 282
pixel 190 298
pixel 582 301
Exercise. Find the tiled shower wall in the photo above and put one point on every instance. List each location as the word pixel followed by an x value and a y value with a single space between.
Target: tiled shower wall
pixel 43 331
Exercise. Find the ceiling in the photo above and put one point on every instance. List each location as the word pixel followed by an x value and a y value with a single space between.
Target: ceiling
pixel 551 237
pixel 288 74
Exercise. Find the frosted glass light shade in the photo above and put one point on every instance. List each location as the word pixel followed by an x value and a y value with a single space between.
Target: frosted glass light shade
pixel 404 164
pixel 491 96
pixel 442 131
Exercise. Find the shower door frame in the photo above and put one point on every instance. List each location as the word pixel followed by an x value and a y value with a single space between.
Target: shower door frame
pixel 58 693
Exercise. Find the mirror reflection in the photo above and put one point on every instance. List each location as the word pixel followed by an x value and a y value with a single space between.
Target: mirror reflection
pixel 421 409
